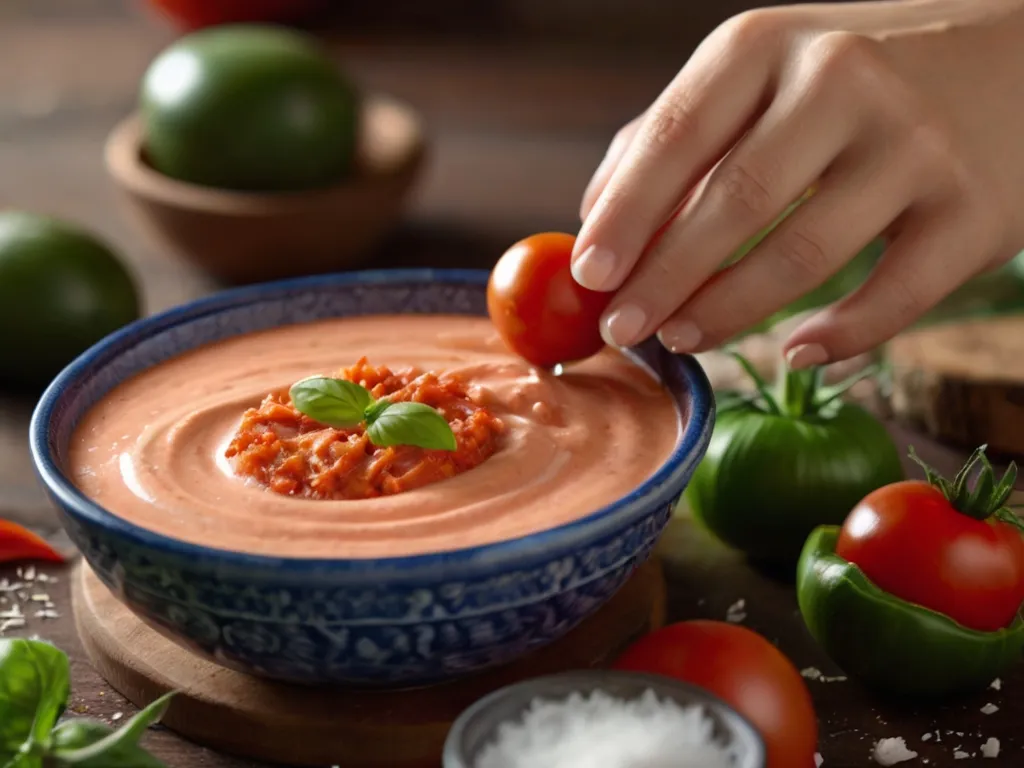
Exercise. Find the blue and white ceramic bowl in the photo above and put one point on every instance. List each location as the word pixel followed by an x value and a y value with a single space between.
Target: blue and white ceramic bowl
pixel 394 621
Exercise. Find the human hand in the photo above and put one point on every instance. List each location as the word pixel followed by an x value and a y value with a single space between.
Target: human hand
pixel 905 119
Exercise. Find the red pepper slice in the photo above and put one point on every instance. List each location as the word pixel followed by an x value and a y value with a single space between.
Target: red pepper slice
pixel 18 543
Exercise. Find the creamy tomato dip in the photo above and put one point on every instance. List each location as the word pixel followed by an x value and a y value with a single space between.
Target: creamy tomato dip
pixel 154 451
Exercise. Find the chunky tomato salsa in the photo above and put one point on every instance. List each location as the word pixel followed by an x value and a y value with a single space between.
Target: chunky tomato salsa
pixel 288 452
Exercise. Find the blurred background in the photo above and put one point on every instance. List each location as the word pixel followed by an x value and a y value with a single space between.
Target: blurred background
pixel 519 99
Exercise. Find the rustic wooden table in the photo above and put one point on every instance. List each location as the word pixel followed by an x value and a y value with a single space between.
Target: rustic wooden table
pixel 516 127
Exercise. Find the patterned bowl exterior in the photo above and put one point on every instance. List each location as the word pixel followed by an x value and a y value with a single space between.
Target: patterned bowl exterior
pixel 398 621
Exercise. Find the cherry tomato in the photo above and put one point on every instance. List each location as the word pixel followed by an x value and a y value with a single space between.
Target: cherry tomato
pixel 912 543
pixel 743 669
pixel 193 14
pixel 543 315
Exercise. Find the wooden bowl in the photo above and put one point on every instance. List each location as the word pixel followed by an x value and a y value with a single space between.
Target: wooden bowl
pixel 244 237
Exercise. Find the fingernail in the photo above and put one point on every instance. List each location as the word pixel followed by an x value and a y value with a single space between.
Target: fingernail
pixel 623 326
pixel 594 268
pixel 681 337
pixel 806 356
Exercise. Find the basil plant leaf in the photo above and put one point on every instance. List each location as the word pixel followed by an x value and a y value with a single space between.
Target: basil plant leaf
pixel 77 734
pixel 101 753
pixel 34 686
pixel 411 424
pixel 334 402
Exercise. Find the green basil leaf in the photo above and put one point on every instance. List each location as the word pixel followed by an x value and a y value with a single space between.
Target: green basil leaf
pixel 411 424
pixel 334 402
pixel 99 753
pixel 34 686
pixel 77 734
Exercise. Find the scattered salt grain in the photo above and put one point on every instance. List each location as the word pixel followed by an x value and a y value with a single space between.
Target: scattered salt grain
pixel 736 613
pixel 818 760
pixel 601 731
pixel 893 751
pixel 989 709
pixel 116 716
pixel 996 685
pixel 990 748
pixel 926 737
pixel 811 673
pixel 960 755
pixel 6 624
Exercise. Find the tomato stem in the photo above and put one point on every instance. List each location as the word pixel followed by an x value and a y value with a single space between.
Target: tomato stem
pixel 983 499
pixel 798 394
pixel 768 399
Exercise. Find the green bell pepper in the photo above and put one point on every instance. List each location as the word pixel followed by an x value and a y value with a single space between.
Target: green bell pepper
pixel 893 646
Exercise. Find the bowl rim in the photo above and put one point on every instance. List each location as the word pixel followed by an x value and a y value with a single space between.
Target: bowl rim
pixel 122 157
pixel 589 680
pixel 663 487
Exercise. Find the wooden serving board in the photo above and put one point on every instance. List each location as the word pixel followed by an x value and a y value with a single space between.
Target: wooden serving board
pixel 296 725
pixel 963 383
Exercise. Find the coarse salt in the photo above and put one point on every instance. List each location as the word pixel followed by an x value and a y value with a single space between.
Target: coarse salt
pixel 601 731
pixel 990 748
pixel 989 709
pixel 893 751
pixel 737 612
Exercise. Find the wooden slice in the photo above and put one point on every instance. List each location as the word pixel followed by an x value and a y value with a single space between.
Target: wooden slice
pixel 963 383
pixel 296 725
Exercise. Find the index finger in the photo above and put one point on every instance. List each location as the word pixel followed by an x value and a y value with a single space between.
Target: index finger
pixel 692 124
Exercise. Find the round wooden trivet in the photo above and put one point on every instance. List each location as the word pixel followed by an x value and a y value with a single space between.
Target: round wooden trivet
pixel 963 383
pixel 296 725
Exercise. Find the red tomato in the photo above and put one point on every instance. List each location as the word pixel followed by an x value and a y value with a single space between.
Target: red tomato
pixel 743 669
pixel 543 315
pixel 912 543
pixel 193 14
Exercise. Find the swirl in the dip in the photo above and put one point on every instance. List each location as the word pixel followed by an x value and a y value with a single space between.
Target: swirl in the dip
pixel 551 449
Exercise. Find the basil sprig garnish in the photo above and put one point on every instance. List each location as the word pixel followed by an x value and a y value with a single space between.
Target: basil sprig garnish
pixel 34 688
pixel 344 404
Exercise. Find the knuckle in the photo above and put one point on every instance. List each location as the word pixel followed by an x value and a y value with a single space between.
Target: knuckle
pixel 851 59
pixel 671 123
pixel 751 28
pixel 743 189
pixel 625 133
pixel 804 255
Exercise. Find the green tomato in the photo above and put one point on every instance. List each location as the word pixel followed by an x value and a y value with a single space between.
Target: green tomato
pixel 784 462
pixel 249 107
pixel 61 291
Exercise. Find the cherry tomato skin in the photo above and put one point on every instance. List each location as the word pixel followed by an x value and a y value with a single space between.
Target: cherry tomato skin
pixel 542 314
pixel 912 543
pixel 743 669
pixel 194 14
